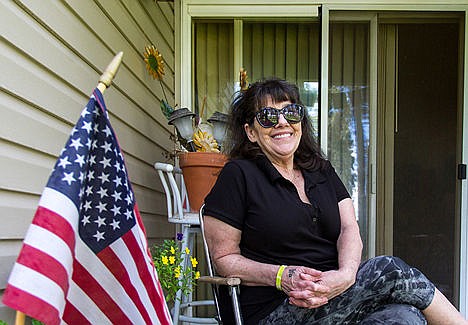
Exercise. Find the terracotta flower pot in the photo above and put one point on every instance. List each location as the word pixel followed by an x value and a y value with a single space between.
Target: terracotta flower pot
pixel 200 170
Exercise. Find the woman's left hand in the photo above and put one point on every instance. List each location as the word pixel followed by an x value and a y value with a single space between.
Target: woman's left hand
pixel 337 280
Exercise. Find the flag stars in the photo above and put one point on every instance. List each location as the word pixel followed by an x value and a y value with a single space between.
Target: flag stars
pixel 63 162
pixel 85 220
pixel 115 224
pixel 107 146
pixel 117 166
pixel 104 177
pixel 117 181
pixel 128 199
pixel 89 190
pixel 107 131
pixel 102 192
pixel 80 160
pixel 99 236
pixel 84 113
pixel 105 162
pixel 116 195
pixel 87 205
pixel 90 175
pixel 129 214
pixel 91 172
pixel 100 222
pixel 68 177
pixel 87 126
pixel 76 143
pixel 101 206
pixel 115 210
pixel 92 160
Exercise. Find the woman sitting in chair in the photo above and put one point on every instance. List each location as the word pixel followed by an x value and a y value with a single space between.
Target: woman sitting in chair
pixel 280 219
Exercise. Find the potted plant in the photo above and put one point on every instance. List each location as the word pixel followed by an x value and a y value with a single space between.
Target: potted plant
pixel 168 258
pixel 198 143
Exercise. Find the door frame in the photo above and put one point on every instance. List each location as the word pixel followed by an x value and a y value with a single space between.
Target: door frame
pixel 388 111
pixel 371 18
pixel 463 184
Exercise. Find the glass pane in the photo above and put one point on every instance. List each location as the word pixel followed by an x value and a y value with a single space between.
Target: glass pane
pixel 285 50
pixel 213 66
pixel 348 115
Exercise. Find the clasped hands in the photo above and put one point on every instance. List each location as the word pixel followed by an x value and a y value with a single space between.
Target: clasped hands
pixel 310 288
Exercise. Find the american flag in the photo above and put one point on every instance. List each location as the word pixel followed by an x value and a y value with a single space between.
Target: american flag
pixel 85 258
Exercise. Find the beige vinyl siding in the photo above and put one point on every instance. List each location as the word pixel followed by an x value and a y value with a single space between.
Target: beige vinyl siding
pixel 51 56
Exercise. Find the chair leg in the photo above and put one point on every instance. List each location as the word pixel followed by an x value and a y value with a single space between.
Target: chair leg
pixel 191 232
pixel 179 296
pixel 233 291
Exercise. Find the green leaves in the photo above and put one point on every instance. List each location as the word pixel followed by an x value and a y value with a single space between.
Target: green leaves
pixel 168 259
pixel 166 109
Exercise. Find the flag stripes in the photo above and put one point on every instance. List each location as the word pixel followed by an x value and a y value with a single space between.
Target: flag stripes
pixel 85 258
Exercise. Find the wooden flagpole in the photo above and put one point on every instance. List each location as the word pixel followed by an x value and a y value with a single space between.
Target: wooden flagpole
pixel 104 82
pixel 20 318
pixel 106 78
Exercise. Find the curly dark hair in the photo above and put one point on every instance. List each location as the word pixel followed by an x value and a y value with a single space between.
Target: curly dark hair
pixel 243 108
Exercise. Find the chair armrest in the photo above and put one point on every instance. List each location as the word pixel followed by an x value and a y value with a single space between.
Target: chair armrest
pixel 220 280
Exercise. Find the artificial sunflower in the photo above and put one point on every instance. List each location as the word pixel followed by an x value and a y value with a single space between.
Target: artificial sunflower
pixel 204 142
pixel 155 66
pixel 154 62
pixel 243 79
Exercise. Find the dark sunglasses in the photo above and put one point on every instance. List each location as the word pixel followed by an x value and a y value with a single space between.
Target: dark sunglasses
pixel 268 117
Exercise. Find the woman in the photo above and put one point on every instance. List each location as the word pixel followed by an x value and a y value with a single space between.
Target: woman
pixel 280 219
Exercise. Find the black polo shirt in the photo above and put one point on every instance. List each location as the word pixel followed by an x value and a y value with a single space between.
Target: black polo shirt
pixel 277 227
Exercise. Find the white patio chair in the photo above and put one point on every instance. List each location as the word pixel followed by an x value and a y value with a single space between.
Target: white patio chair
pixel 178 212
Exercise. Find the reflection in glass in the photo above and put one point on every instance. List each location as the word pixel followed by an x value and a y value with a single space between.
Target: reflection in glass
pixel 285 50
pixel 213 70
pixel 348 115
pixel 309 96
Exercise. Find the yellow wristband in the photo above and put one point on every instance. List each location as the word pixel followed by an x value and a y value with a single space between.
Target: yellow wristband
pixel 279 274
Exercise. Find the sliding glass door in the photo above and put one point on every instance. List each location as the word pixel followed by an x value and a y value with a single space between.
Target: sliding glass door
pixel 286 50
pixel 348 114
pixel 291 50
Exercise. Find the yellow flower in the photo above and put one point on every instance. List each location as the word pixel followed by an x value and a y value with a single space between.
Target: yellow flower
pixel 154 62
pixel 177 272
pixel 172 250
pixel 194 261
pixel 171 259
pixel 187 250
pixel 197 275
pixel 204 141
pixel 164 259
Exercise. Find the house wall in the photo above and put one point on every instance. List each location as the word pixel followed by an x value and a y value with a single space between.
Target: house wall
pixel 52 54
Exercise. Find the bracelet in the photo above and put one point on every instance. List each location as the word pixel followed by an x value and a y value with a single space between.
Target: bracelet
pixel 279 274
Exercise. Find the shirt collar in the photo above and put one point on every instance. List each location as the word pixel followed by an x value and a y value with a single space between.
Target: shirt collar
pixel 267 167
pixel 311 178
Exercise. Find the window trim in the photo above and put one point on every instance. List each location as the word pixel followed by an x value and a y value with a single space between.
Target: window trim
pixel 190 11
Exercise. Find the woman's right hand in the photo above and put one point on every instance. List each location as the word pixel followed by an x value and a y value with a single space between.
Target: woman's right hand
pixel 304 291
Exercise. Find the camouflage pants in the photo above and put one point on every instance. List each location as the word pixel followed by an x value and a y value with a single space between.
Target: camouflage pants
pixel 387 291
